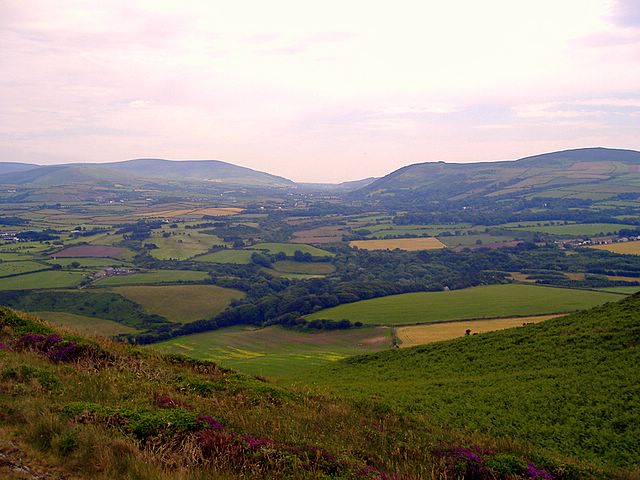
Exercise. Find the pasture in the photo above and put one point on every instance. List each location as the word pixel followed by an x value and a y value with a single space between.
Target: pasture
pixel 626 248
pixel 474 239
pixel 319 235
pixel 39 280
pixel 151 277
pixel 87 262
pixel 181 303
pixel 181 244
pixel 308 268
pixel 289 249
pixel 488 301
pixel 16 268
pixel 578 229
pixel 192 212
pixel 426 243
pixel 89 251
pixel 436 332
pixel 275 351
pixel 86 325
pixel 238 257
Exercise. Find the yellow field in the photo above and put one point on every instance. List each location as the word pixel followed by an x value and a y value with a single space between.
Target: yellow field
pixel 197 212
pixel 436 332
pixel 629 248
pixel 428 243
pixel 618 278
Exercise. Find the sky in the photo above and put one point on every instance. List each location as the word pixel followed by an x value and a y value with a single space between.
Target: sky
pixel 322 91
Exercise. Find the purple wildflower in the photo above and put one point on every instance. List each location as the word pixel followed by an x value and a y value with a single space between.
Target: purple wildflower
pixel 67 352
pixel 373 473
pixel 5 347
pixel 255 443
pixel 209 420
pixel 30 340
pixel 535 472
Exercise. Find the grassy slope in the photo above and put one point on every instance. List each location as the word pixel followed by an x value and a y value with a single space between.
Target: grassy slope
pixel 85 324
pixel 46 279
pixel 158 276
pixel 275 351
pixel 477 302
pixel 181 303
pixel 290 248
pixel 568 385
pixel 227 256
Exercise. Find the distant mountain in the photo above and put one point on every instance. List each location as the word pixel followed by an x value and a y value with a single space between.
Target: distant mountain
pixel 11 167
pixel 143 171
pixel 340 187
pixel 581 173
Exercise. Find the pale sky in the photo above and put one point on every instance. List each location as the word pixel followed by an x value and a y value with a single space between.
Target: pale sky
pixel 316 91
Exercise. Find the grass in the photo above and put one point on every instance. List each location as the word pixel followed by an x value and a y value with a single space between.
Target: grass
pixel 624 290
pixel 238 257
pixel 429 243
pixel 628 248
pixel 567 385
pixel 436 332
pixel 471 240
pixel 181 303
pixel 8 257
pixel 87 262
pixel 275 351
pixel 578 229
pixel 156 276
pixel 14 268
pixel 46 279
pixel 86 325
pixel 182 244
pixel 477 302
pixel 290 248
pixel 309 268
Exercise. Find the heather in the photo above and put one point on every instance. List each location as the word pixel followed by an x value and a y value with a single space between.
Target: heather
pixel 114 411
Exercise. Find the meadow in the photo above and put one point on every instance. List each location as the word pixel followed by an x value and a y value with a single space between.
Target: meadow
pixel 436 332
pixel 309 268
pixel 16 268
pixel 578 229
pixel 181 303
pixel 290 248
pixel 566 385
pixel 488 301
pixel 88 262
pixel 86 325
pixel 39 280
pixel 626 248
pixel 182 244
pixel 473 239
pixel 156 276
pixel 226 255
pixel 409 244
pixel 275 351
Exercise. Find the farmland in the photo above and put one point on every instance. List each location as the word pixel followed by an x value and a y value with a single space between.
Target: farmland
pixel 181 303
pixel 626 248
pixel 226 256
pixel 477 302
pixel 44 279
pixel 310 268
pixel 409 244
pixel 275 351
pixel 89 251
pixel 437 332
pixel 578 229
pixel 157 276
pixel 14 268
pixel 181 244
pixel 289 249
pixel 86 325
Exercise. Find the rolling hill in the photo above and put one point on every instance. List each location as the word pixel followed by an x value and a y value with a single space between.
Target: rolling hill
pixel 11 167
pixel 567 385
pixel 582 173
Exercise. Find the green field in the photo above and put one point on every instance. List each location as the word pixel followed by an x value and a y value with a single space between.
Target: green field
pixel 227 256
pixel 46 279
pixel 184 244
pixel 275 351
pixel 577 229
pixel 624 290
pixel 471 240
pixel 290 248
pixel 477 302
pixel 392 230
pixel 8 257
pixel 308 268
pixel 87 262
pixel 156 276
pixel 568 385
pixel 181 303
pixel 14 268
pixel 86 325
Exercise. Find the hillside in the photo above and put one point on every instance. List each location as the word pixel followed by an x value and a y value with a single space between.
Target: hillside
pixel 582 174
pixel 73 407
pixel 10 167
pixel 141 172
pixel 566 385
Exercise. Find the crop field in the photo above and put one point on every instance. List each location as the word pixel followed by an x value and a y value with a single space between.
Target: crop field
pixel 181 303
pixel 8 257
pixel 156 276
pixel 14 268
pixel 428 243
pixel 87 262
pixel 392 230
pixel 319 235
pixel 627 248
pixel 181 244
pixel 472 240
pixel 89 251
pixel 275 351
pixel 578 229
pixel 624 290
pixel 290 248
pixel 622 278
pixel 38 280
pixel 291 276
pixel 227 256
pixel 193 212
pixel 437 332
pixel 488 301
pixel 86 325
pixel 309 268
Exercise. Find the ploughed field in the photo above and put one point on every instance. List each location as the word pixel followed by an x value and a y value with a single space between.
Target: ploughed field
pixel 488 301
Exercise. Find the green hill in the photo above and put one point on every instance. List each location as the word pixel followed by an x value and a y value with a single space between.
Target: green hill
pixel 568 385
pixel 73 407
pixel 582 173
